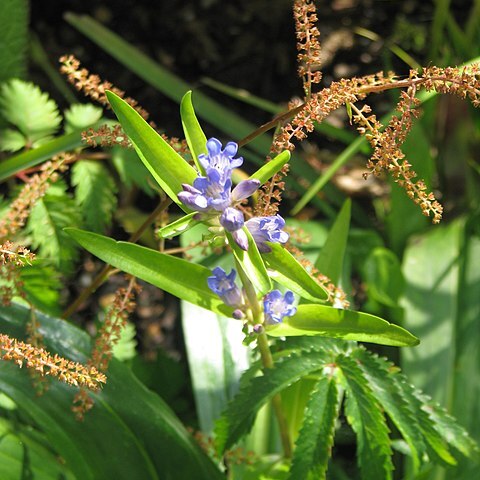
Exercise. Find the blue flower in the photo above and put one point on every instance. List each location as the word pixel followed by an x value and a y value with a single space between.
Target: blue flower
pixel 224 286
pixel 213 192
pixel 276 306
pixel 267 229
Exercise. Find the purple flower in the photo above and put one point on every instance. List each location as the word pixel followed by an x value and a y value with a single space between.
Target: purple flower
pixel 276 306
pixel 267 229
pixel 232 219
pixel 220 160
pixel 224 286
pixel 244 189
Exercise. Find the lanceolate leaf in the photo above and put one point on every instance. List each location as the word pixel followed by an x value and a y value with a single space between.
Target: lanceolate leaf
pixel 178 226
pixel 285 270
pixel 327 321
pixel 272 167
pixel 196 139
pixel 130 432
pixel 169 169
pixel 365 416
pixel 252 264
pixel 315 441
pixel 330 259
pixel 238 418
pixel 183 279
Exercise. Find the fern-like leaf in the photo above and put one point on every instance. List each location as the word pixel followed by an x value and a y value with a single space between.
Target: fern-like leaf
pixel 387 391
pixel 95 194
pixel 80 116
pixel 238 418
pixel 34 114
pixel 365 415
pixel 315 441
pixel 50 215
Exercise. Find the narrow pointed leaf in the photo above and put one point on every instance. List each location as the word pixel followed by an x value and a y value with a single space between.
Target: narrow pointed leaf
pixel 252 264
pixel 327 321
pixel 330 259
pixel 179 277
pixel 272 167
pixel 168 168
pixel 196 139
pixel 237 420
pixel 178 226
pixel 287 271
pixel 315 441
pixel 365 416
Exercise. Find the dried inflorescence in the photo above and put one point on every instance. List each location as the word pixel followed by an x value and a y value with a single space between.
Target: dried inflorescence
pixel 108 336
pixel 33 190
pixel 92 85
pixel 106 136
pixel 308 46
pixel 15 254
pixel 38 359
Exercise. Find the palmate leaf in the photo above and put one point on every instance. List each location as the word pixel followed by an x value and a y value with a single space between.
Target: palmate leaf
pixel 238 418
pixel 24 105
pixel 315 441
pixel 95 193
pixel 50 215
pixel 387 391
pixel 364 414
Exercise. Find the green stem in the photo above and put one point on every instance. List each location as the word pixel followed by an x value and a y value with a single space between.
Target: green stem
pixel 267 359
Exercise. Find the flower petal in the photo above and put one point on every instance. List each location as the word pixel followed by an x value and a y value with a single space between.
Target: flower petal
pixel 244 189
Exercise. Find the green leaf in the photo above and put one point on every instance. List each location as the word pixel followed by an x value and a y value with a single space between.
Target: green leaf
pixel 31 158
pixel 179 277
pixel 178 226
pixel 80 116
pixel 196 139
pixel 95 193
pixel 11 140
pixel 252 264
pixel 287 271
pixel 330 259
pixel 130 432
pixel 315 441
pixel 327 321
pixel 365 416
pixel 132 171
pixel 381 378
pixel 125 348
pixel 50 215
pixel 272 167
pixel 384 278
pixel 240 413
pixel 14 28
pixel 168 168
pixel 24 105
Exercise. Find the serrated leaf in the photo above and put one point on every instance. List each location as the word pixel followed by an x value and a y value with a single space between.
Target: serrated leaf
pixel 285 269
pixel 125 349
pixel 168 168
pixel 178 226
pixel 196 139
pixel 24 105
pixel 50 215
pixel 389 395
pixel 252 263
pixel 365 416
pixel 95 193
pixel 240 413
pixel 14 28
pixel 179 277
pixel 11 140
pixel 314 444
pixel 330 259
pixel 272 167
pixel 333 322
pixel 80 116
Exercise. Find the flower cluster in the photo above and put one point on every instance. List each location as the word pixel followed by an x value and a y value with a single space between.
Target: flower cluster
pixel 276 306
pixel 212 194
